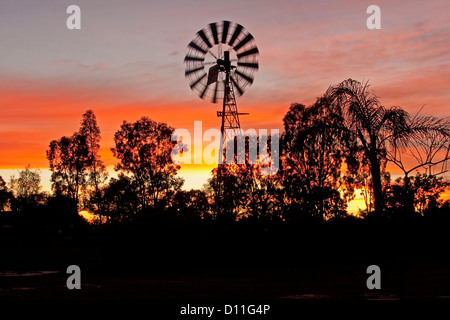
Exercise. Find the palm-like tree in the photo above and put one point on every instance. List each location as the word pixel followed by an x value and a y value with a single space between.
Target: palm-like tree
pixel 371 125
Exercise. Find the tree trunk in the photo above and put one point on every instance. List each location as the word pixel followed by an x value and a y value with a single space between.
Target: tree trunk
pixel 376 184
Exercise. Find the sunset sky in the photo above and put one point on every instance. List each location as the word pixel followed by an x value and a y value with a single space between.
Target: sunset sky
pixel 127 62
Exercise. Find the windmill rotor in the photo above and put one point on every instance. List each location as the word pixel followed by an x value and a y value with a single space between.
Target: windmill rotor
pixel 205 60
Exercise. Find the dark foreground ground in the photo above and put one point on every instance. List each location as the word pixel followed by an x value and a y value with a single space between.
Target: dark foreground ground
pixel 177 265
pixel 423 280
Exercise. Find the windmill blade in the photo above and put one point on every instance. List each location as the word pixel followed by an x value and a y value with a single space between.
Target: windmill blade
pixel 195 46
pixel 205 39
pixel 244 76
pixel 249 52
pixel 212 53
pixel 226 26
pixel 252 65
pixel 196 82
pixel 244 41
pixel 190 58
pixel 188 72
pixel 236 85
pixel 236 33
pixel 213 28
pixel 216 89
pixel 202 94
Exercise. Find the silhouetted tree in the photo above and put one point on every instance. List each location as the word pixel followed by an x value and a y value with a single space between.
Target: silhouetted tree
pixel 427 189
pixel 240 190
pixel 191 205
pixel 370 125
pixel 5 195
pixel 69 160
pixel 120 200
pixel 26 188
pixel 27 184
pixel 223 191
pixel 313 150
pixel 144 149
pixel 423 146
pixel 96 172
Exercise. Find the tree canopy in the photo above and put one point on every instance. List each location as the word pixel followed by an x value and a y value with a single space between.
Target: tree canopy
pixel 144 150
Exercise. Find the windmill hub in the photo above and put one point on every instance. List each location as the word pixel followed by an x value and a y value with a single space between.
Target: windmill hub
pixel 224 66
pixel 225 63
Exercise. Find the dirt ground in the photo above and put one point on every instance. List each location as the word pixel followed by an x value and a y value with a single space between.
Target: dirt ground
pixel 421 280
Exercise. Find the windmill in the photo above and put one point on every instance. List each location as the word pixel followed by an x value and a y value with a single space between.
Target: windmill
pixel 220 63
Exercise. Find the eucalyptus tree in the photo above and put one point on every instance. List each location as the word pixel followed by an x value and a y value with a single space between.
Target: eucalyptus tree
pixel 144 150
pixel 96 170
pixel 314 149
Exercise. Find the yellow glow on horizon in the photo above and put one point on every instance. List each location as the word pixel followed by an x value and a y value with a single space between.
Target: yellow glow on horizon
pixel 195 176
pixel 89 216
pixel 355 205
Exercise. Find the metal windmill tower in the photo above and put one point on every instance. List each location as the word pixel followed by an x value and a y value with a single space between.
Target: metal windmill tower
pixel 220 64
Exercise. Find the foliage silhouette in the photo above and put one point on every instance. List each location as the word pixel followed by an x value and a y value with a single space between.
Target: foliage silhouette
pixel 420 195
pixel 96 171
pixel 69 161
pixel 27 184
pixel 242 192
pixel 313 151
pixel 191 205
pixel 423 145
pixel 5 196
pixel 120 200
pixel 26 190
pixel 144 150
